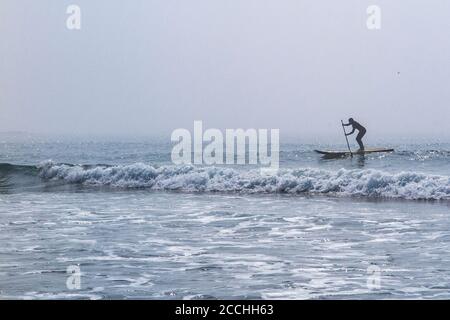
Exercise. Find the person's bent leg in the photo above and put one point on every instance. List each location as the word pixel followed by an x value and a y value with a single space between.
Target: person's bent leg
pixel 360 143
pixel 359 140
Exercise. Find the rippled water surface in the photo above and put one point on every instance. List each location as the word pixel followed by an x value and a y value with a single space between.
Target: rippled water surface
pixel 172 245
pixel 139 227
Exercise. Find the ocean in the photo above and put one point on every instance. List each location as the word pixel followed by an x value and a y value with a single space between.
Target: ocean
pixel 135 226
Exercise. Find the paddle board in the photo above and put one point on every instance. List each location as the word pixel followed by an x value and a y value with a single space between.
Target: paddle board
pixel 341 154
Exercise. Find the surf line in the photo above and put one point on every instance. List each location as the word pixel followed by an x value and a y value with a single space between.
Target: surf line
pixel 241 146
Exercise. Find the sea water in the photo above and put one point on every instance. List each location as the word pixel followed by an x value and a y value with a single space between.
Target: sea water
pixel 137 226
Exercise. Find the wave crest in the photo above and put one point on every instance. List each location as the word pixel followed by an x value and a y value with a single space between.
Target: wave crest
pixel 368 183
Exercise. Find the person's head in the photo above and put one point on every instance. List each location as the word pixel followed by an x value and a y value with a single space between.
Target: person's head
pixel 350 120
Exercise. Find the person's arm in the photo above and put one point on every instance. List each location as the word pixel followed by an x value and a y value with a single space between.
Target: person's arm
pixel 346 124
pixel 350 133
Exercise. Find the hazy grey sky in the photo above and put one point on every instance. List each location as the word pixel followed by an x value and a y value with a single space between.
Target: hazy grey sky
pixel 146 67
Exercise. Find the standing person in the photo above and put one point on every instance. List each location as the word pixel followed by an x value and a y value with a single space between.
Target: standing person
pixel 361 132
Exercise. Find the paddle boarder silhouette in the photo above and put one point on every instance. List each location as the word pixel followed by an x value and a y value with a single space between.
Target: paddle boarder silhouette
pixel 361 132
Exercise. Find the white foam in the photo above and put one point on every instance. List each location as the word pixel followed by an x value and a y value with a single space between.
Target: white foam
pixel 358 182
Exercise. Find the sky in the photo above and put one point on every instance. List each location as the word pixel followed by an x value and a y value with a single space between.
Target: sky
pixel 149 67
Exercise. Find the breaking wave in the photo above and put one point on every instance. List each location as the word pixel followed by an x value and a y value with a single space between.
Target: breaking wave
pixel 358 182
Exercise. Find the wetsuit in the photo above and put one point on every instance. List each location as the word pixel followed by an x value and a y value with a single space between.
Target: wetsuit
pixel 361 132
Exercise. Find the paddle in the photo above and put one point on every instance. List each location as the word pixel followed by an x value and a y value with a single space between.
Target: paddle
pixel 345 134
